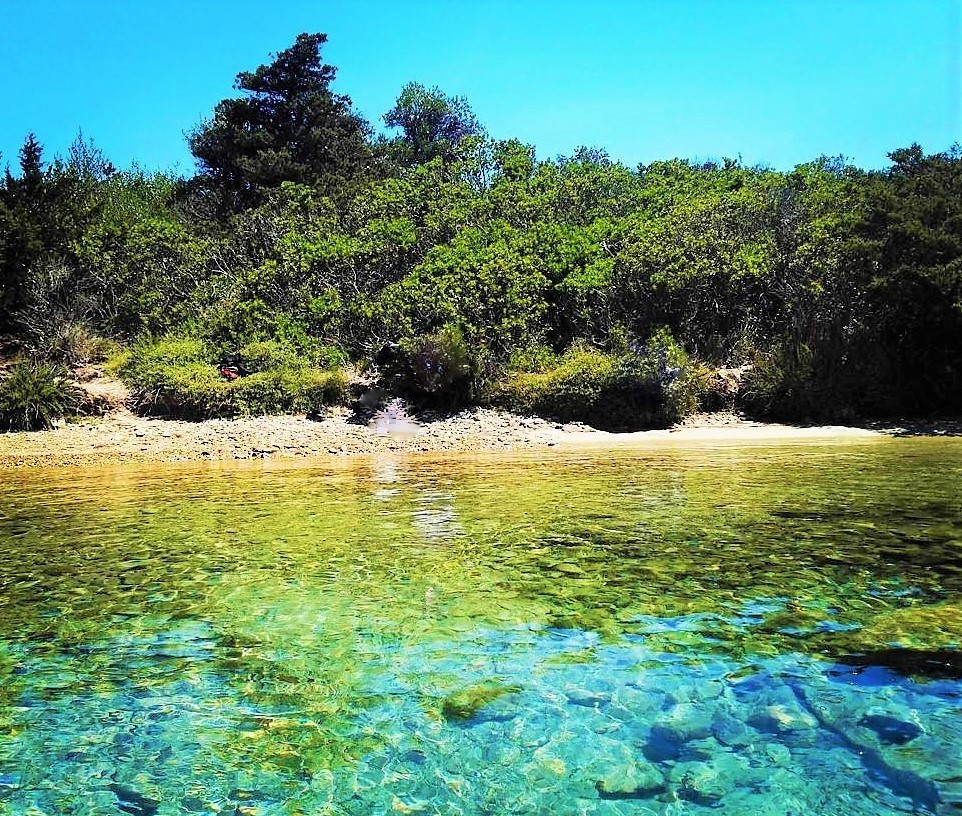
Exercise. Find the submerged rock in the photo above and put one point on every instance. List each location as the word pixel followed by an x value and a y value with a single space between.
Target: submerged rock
pixel 635 780
pixel 468 703
pixel 891 730
pixel 588 699
pixel 687 721
pixel 732 732
pixel 901 781
pixel 943 664
pixel 698 782
pixel 134 802
pixel 779 754
pixel 663 745
pixel 780 718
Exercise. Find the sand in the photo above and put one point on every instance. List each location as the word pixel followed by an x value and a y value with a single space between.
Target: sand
pixel 122 437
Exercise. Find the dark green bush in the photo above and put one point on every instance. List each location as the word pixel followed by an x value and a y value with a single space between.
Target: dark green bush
pixel 613 392
pixel 175 376
pixel 285 391
pixel 533 359
pixel 436 370
pixel 264 355
pixel 798 386
pixel 34 395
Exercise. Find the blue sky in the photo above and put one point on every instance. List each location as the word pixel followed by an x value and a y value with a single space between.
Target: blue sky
pixel 777 82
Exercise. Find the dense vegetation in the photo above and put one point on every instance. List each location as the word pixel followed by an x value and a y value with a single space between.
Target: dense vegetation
pixel 460 269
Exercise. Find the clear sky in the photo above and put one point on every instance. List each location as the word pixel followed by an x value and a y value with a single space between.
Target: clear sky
pixel 777 82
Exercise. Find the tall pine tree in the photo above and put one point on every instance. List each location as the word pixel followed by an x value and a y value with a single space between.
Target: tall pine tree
pixel 289 126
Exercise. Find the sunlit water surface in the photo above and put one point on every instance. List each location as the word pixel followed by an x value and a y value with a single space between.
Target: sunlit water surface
pixel 740 630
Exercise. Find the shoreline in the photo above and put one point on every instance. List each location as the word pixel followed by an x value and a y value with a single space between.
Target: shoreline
pixel 122 437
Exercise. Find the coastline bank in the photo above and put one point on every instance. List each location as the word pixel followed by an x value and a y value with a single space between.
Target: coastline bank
pixel 125 437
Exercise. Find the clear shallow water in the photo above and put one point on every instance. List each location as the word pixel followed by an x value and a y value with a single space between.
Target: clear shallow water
pixel 758 630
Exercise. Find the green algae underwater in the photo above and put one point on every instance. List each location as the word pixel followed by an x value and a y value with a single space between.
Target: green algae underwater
pixel 726 629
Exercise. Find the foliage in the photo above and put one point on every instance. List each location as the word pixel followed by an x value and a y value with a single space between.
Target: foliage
pixel 290 126
pixel 432 124
pixel 533 359
pixel 287 391
pixel 34 395
pixel 76 344
pixel 489 283
pixel 652 387
pixel 178 376
pixel 303 243
pixel 435 370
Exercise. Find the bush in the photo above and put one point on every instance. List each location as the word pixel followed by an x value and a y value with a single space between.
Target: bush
pixel 69 343
pixel 173 375
pixel 283 391
pixel 58 304
pixel 192 390
pixel 614 392
pixel 264 355
pixel 179 377
pixel 796 386
pixel 435 370
pixel 34 395
pixel 76 344
pixel 533 359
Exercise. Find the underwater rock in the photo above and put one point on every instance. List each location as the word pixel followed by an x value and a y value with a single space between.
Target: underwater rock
pixel 583 697
pixel 663 745
pixel 732 732
pixel 902 782
pixel 778 753
pixel 635 780
pixel 922 629
pixel 10 781
pixel 134 802
pixel 776 719
pixel 549 763
pixel 944 664
pixel 698 782
pixel 470 703
pixel 687 721
pixel 951 793
pixel 891 730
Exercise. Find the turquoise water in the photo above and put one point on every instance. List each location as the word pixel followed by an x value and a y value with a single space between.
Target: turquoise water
pixel 742 630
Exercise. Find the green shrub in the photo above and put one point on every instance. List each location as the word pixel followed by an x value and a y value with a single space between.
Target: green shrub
pixel 650 388
pixel 436 370
pixel 179 377
pixel 150 354
pixel 174 376
pixel 533 359
pixel 798 386
pixel 75 344
pixel 34 395
pixel 193 390
pixel 117 362
pixel 264 355
pixel 284 391
pixel 320 388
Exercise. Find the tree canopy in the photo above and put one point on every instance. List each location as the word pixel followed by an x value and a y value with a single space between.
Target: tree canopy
pixel 432 124
pixel 289 126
